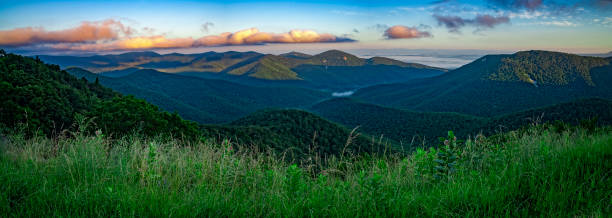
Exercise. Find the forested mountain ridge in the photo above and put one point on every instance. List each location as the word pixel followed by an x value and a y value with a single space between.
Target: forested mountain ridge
pixel 296 132
pixel 409 127
pixel 204 100
pixel 547 68
pixel 38 98
pixel 329 70
pixel 512 82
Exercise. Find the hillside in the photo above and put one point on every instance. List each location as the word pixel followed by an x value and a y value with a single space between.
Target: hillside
pixel 409 127
pixel 42 99
pixel 293 132
pixel 333 69
pixel 512 82
pixel 205 100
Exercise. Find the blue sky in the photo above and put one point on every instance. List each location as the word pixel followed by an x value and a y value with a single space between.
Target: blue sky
pixel 580 26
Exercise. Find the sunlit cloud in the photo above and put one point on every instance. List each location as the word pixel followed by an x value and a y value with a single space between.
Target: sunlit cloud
pixel 404 32
pixel 254 36
pixel 86 32
pixel 111 35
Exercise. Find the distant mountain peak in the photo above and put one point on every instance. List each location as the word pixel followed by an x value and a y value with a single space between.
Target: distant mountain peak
pixel 138 54
pixel 297 55
pixel 337 58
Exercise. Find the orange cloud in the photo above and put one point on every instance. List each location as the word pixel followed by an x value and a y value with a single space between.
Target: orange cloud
pixel 253 36
pixel 243 37
pixel 111 35
pixel 135 43
pixel 404 32
pixel 86 32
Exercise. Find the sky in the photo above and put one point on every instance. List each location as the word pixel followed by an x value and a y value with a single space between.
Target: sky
pixel 49 27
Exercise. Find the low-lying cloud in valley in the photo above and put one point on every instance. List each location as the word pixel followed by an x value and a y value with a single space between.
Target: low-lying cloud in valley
pixel 110 35
pixel 343 94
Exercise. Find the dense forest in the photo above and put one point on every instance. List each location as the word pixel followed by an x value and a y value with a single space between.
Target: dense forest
pixel 205 100
pixel 42 99
pixel 424 128
pixel 295 133
pixel 504 77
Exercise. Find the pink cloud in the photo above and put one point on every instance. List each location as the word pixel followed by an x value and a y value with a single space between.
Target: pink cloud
pixel 404 32
pixel 111 35
pixel 86 32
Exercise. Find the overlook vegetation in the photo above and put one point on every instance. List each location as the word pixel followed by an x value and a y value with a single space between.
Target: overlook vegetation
pixel 539 171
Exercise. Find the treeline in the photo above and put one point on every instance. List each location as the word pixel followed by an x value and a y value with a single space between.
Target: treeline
pixel 39 98
pixel 295 133
pixel 424 128
pixel 550 68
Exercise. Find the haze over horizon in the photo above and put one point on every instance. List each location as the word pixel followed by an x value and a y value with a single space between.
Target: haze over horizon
pixel 85 27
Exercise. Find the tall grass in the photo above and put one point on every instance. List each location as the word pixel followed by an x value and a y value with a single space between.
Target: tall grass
pixel 534 172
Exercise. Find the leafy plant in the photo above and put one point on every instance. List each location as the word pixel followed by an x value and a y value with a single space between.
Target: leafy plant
pixel 446 158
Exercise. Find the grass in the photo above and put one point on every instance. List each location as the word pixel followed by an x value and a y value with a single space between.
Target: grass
pixel 537 172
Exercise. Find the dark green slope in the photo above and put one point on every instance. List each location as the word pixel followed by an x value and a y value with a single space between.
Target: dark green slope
pixel 40 98
pixel 293 131
pixel 160 99
pixel 207 100
pixel 404 126
pixel 499 84
pixel 574 112
pixel 415 127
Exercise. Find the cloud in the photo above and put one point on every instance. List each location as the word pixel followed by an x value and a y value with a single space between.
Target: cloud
pixel 134 43
pixel 86 32
pixel 603 2
pixel 355 31
pixel 455 23
pixel 244 37
pixel 253 36
pixel 564 23
pixel 437 2
pixel 490 21
pixel 517 4
pixel 206 26
pixel 404 32
pixel 343 94
pixel 379 27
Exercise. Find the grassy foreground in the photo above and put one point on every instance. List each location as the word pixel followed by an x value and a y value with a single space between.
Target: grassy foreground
pixel 533 172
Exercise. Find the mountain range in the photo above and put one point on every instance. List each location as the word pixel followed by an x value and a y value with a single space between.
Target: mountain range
pixel 330 70
pixel 204 100
pixel 286 101
pixel 499 84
